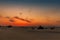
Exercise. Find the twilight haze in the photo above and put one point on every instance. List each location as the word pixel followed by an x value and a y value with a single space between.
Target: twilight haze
pixel 29 12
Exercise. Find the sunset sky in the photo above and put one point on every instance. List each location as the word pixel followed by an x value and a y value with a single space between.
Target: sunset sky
pixel 37 12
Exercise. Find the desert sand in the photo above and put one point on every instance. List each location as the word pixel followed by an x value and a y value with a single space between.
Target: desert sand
pixel 18 33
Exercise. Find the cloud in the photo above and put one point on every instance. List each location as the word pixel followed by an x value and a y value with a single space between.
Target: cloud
pixel 11 20
pixel 0 16
pixel 20 13
pixel 7 17
pixel 22 19
pixel 58 21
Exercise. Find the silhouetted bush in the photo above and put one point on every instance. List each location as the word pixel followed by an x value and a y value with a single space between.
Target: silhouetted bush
pixel 40 27
pixel 0 26
pixel 9 26
pixel 52 28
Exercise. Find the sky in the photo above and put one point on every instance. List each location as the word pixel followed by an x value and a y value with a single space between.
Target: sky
pixel 29 12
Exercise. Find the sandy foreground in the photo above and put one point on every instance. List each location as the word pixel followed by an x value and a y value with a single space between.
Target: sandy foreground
pixel 17 33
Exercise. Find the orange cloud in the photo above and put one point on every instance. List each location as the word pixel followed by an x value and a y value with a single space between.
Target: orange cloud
pixel 13 22
pixel 22 19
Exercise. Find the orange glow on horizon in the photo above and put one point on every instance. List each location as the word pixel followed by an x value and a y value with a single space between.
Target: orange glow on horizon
pixel 5 21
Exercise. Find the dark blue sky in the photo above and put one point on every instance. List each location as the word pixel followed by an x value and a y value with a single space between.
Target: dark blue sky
pixel 43 2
